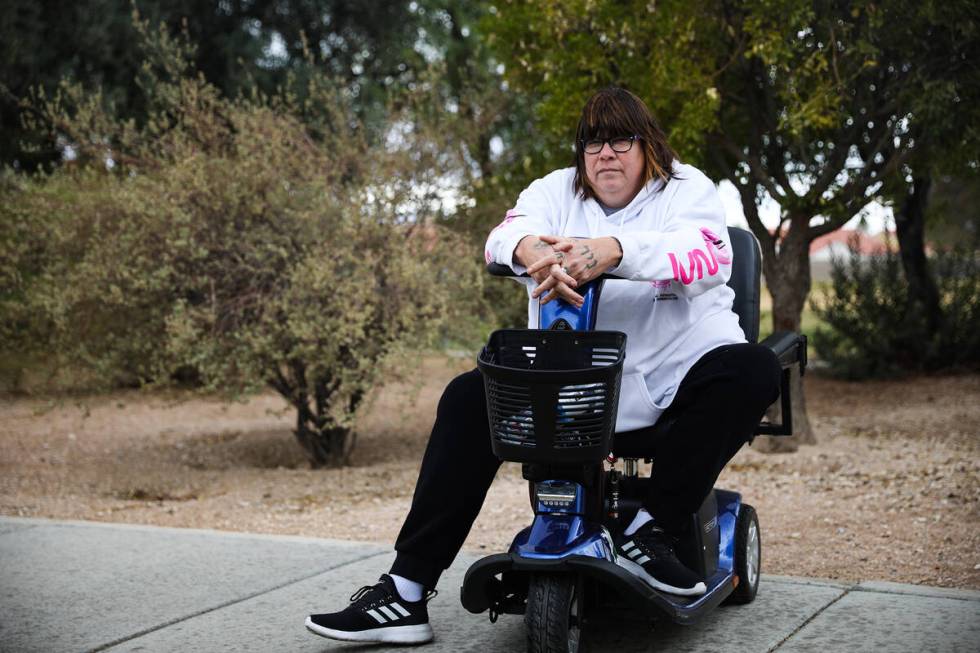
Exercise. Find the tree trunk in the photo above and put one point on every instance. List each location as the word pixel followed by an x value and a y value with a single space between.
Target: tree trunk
pixel 323 442
pixel 329 447
pixel 316 452
pixel 788 280
pixel 910 228
pixel 324 446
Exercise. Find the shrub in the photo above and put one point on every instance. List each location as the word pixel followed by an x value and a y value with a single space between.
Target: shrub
pixel 875 329
pixel 245 243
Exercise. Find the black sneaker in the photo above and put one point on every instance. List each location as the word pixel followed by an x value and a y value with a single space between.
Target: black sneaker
pixel 649 553
pixel 377 614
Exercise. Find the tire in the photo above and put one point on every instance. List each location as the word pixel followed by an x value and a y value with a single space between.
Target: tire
pixel 748 556
pixel 552 615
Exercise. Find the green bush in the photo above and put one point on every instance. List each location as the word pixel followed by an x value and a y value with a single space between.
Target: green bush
pixel 874 329
pixel 246 243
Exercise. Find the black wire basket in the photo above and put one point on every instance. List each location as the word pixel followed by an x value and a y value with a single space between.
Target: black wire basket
pixel 552 395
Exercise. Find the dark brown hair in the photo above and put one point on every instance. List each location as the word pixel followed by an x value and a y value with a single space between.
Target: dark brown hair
pixel 614 111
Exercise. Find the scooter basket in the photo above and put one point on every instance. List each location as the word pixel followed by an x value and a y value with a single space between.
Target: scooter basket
pixel 552 395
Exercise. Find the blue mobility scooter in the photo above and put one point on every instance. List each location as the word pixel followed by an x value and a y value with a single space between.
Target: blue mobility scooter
pixel 552 396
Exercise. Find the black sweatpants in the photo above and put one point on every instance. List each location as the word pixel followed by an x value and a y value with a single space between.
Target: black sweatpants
pixel 715 411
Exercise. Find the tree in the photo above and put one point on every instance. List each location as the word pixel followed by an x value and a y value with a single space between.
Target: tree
pixel 40 43
pixel 952 217
pixel 803 103
pixel 939 42
pixel 241 46
pixel 381 53
pixel 248 243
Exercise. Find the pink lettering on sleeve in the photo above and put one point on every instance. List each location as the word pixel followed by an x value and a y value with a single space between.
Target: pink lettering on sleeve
pixel 716 247
pixel 685 277
pixel 699 261
pixel 710 263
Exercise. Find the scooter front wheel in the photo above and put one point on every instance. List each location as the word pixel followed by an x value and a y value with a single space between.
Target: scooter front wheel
pixel 553 615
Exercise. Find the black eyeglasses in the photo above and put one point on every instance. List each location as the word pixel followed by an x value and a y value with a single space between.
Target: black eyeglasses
pixel 619 144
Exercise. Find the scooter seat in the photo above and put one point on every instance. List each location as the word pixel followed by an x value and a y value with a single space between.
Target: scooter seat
pixel 639 443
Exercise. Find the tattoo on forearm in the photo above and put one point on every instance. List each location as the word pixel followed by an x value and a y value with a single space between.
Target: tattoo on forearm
pixel 541 245
pixel 589 256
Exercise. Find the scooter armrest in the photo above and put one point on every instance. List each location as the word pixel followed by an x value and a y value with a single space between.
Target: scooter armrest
pixel 501 270
pixel 789 347
pixel 790 350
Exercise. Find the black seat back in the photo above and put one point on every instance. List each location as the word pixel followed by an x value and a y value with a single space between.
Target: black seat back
pixel 746 271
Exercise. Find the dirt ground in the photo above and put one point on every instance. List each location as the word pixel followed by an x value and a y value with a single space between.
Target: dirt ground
pixel 891 492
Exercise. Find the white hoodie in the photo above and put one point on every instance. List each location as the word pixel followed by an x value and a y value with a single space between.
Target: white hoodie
pixel 675 307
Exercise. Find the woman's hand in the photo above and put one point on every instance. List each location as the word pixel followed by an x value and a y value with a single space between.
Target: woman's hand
pixel 581 259
pixel 539 253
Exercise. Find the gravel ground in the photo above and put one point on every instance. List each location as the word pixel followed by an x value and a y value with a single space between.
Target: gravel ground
pixel 891 492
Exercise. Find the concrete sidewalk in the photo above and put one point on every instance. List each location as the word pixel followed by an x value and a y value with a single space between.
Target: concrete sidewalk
pixel 85 586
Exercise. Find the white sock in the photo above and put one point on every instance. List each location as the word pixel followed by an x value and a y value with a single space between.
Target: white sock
pixel 408 589
pixel 642 517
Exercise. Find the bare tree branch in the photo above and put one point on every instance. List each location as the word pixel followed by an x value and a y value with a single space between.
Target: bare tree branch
pixel 755 166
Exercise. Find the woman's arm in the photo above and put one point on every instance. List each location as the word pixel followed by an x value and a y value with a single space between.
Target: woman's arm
pixel 692 249
pixel 521 240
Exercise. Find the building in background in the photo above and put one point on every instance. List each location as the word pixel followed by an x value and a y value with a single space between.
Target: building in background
pixel 837 243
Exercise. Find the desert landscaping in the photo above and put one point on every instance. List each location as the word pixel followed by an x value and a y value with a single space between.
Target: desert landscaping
pixel 890 492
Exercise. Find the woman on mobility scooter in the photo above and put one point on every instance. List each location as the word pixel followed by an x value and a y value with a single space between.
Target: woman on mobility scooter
pixel 629 208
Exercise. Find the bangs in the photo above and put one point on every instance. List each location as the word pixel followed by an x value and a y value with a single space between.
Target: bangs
pixel 606 117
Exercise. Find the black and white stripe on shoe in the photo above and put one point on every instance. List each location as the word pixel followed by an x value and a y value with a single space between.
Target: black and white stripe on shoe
pixel 634 553
pixel 649 555
pixel 387 613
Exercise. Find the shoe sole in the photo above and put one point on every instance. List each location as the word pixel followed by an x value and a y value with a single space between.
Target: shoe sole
pixel 639 571
pixel 418 634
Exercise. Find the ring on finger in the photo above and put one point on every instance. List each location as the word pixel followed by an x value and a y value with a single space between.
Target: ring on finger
pixel 565 270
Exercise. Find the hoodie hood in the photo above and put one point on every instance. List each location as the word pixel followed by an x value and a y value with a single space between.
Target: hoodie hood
pixel 632 211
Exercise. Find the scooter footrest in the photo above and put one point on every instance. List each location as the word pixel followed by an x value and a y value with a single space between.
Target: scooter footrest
pixel 480 592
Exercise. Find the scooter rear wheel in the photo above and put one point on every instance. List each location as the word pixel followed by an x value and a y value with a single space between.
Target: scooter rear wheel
pixel 553 615
pixel 748 556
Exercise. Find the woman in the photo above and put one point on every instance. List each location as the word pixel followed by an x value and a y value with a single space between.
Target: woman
pixel 627 207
